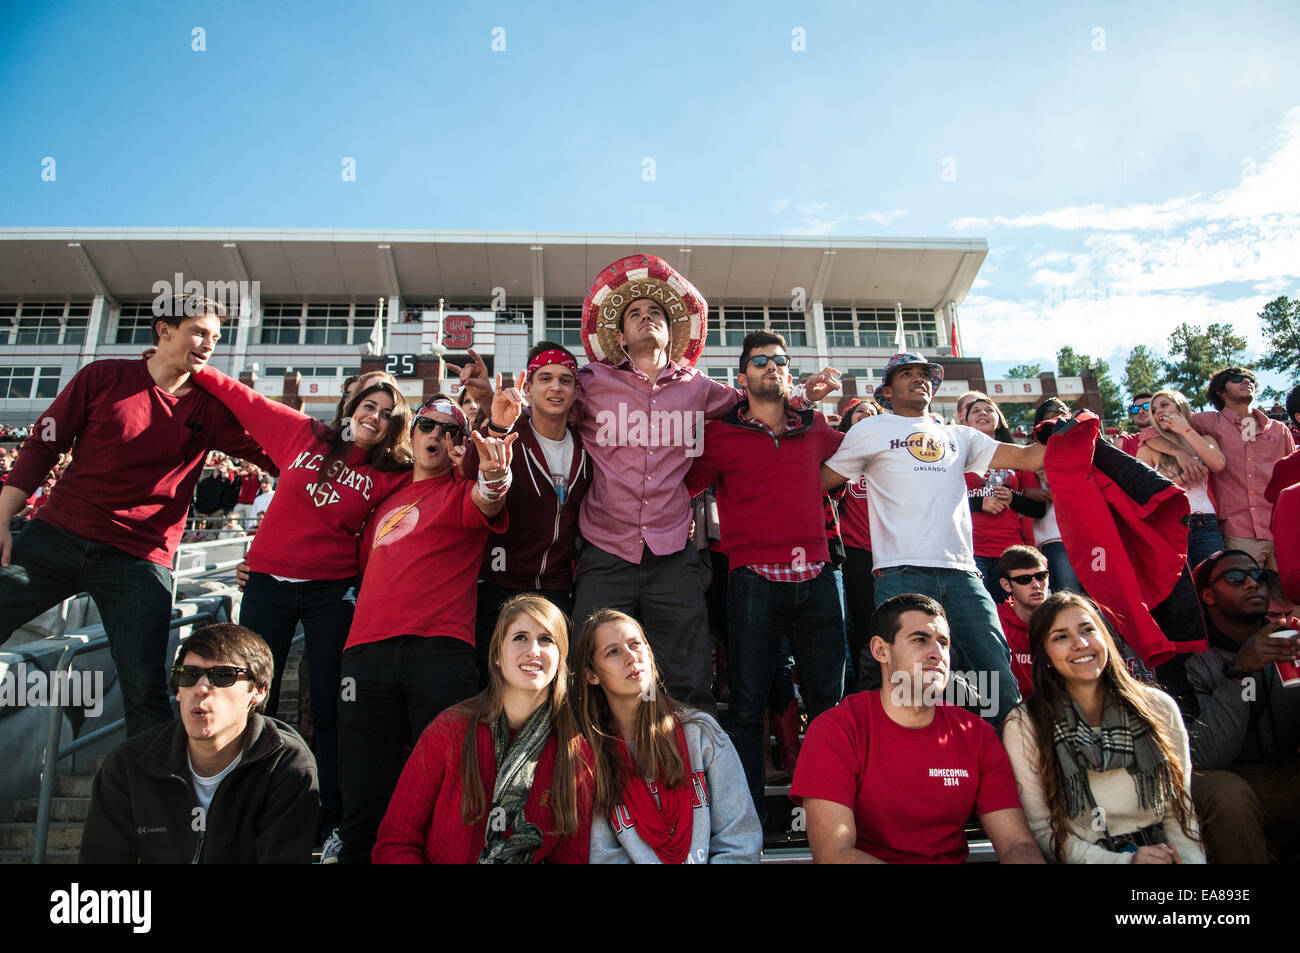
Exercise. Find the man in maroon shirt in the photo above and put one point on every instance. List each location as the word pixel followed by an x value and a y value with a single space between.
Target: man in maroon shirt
pixel 142 431
pixel 765 460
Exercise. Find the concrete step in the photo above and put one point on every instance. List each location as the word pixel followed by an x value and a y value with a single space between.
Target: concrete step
pixel 51 856
pixel 72 786
pixel 63 809
pixel 22 837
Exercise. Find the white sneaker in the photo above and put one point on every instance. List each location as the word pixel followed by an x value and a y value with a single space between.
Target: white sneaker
pixel 329 854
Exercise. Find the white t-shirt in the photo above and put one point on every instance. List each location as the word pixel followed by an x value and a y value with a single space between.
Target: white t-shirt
pixel 205 788
pixel 261 502
pixel 559 458
pixel 916 487
pixel 1045 528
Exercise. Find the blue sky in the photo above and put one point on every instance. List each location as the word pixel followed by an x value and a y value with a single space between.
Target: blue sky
pixel 1131 166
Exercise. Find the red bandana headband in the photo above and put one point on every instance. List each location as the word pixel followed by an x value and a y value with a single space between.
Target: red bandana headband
pixel 443 406
pixel 553 356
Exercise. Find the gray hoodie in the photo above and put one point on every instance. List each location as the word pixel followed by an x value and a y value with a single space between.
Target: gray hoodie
pixel 724 824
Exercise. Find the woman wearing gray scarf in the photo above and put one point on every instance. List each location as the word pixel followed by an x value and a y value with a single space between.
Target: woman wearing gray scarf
pixel 503 778
pixel 1101 759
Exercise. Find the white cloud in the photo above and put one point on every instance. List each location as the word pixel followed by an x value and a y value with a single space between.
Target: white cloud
pixel 818 226
pixel 882 218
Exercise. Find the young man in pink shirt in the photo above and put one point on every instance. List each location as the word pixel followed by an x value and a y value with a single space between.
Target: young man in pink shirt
pixel 142 431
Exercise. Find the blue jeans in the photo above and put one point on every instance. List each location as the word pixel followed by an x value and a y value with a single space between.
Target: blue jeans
pixel 133 595
pixel 1061 573
pixel 760 613
pixel 988 567
pixel 978 644
pixel 1203 540
pixel 272 609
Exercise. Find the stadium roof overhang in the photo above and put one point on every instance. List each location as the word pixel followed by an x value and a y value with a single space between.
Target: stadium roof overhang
pixel 466 266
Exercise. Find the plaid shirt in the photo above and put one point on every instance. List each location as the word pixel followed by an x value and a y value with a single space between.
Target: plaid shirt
pixel 782 572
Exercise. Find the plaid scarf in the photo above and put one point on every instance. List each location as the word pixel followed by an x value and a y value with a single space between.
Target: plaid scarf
pixel 1125 741
pixel 516 767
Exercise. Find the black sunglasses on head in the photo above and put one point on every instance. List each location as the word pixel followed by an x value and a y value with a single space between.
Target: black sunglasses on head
pixel 1235 577
pixel 428 425
pixel 760 360
pixel 1027 578
pixel 219 676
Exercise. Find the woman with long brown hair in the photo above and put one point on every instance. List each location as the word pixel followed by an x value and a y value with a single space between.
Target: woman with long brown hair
pixel 1101 760
pixel 304 561
pixel 505 777
pixel 670 788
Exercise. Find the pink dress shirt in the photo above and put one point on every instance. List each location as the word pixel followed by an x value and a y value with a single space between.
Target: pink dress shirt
pixel 1239 488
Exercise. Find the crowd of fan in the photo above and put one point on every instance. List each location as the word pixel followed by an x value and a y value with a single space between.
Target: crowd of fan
pixel 1088 648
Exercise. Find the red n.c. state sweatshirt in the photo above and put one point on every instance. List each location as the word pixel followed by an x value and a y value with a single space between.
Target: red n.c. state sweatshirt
pixel 138 452
pixel 310 530
pixel 769 488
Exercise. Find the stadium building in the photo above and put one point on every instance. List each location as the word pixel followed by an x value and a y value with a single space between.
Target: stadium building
pixel 309 307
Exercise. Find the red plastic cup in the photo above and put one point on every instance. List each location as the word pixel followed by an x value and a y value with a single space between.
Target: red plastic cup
pixel 1288 672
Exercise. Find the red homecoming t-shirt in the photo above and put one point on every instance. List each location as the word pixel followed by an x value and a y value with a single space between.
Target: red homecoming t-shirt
pixel 911 789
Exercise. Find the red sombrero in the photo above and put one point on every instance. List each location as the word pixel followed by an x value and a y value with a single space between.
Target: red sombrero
pixel 643 276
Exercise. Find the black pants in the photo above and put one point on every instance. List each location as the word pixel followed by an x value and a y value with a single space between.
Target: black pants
pixel 391 690
pixel 860 599
pixel 663 593
pixel 491 598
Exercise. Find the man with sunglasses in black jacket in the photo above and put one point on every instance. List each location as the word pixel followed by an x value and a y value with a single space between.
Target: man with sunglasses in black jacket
pixel 1243 722
pixel 223 785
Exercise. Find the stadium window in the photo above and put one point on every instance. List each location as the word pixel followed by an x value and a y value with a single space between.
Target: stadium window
pixel 8 315
pixel 47 382
pixel 363 322
pixel 791 325
pixel 40 323
pixel 739 321
pixel 135 324
pixel 564 324
pixel 918 328
pixel 722 374
pixel 839 327
pixel 282 324
pixel 327 324
pixel 16 382
pixel 876 327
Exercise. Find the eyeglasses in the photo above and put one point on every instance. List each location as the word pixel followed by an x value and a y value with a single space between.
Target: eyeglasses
pixel 760 360
pixel 428 425
pixel 1235 577
pixel 1027 578
pixel 219 676
pixel 1138 408
pixel 1239 378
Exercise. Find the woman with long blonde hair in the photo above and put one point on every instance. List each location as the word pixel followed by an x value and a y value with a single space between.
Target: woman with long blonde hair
pixel 670 788
pixel 1171 415
pixel 505 777
pixel 1101 760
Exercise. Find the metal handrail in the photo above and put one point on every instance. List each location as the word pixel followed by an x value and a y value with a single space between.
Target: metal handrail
pixel 54 753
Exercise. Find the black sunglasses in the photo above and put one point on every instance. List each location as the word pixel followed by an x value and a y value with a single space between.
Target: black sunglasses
pixel 428 425
pixel 760 360
pixel 1238 378
pixel 1235 577
pixel 1138 408
pixel 1027 578
pixel 220 676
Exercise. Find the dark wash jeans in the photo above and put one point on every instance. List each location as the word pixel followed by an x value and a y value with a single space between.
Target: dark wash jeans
pixel 133 595
pixel 272 609
pixel 397 687
pixel 978 644
pixel 760 613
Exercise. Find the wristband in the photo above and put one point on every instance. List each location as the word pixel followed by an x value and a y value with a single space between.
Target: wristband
pixel 1233 673
pixel 493 491
pixel 492 426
